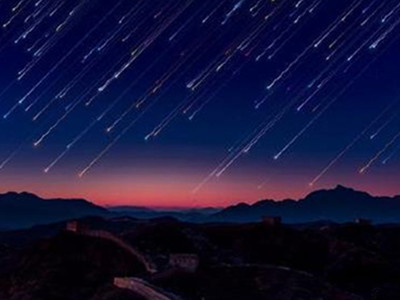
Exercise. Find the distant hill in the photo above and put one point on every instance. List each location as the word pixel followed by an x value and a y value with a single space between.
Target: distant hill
pixel 196 215
pixel 337 205
pixel 23 210
pixel 340 205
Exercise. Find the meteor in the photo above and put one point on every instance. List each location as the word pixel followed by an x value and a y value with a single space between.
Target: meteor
pixel 364 169
pixel 333 162
pixel 174 60
pixel 236 7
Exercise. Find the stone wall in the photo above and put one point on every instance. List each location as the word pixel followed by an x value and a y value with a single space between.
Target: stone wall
pixel 75 227
pixel 143 289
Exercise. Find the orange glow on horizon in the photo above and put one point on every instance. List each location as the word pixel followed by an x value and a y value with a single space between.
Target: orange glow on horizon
pixel 164 187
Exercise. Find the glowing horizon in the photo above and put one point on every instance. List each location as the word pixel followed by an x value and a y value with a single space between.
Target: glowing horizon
pixel 235 103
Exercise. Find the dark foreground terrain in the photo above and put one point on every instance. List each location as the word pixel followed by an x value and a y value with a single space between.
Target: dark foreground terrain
pixel 248 261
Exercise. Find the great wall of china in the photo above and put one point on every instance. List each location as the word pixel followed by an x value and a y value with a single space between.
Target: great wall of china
pixel 188 262
pixel 144 289
pixel 82 230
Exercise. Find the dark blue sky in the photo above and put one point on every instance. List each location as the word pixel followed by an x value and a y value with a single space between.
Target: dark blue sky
pixel 332 68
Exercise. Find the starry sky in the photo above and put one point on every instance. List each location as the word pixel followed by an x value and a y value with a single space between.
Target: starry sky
pixel 196 103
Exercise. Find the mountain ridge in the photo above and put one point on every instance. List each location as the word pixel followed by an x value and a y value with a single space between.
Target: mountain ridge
pixel 340 204
pixel 23 210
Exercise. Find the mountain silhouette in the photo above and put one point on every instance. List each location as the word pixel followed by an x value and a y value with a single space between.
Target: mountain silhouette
pixel 23 210
pixel 340 204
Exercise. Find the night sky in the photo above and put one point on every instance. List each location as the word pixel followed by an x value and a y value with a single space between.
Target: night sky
pixel 187 103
